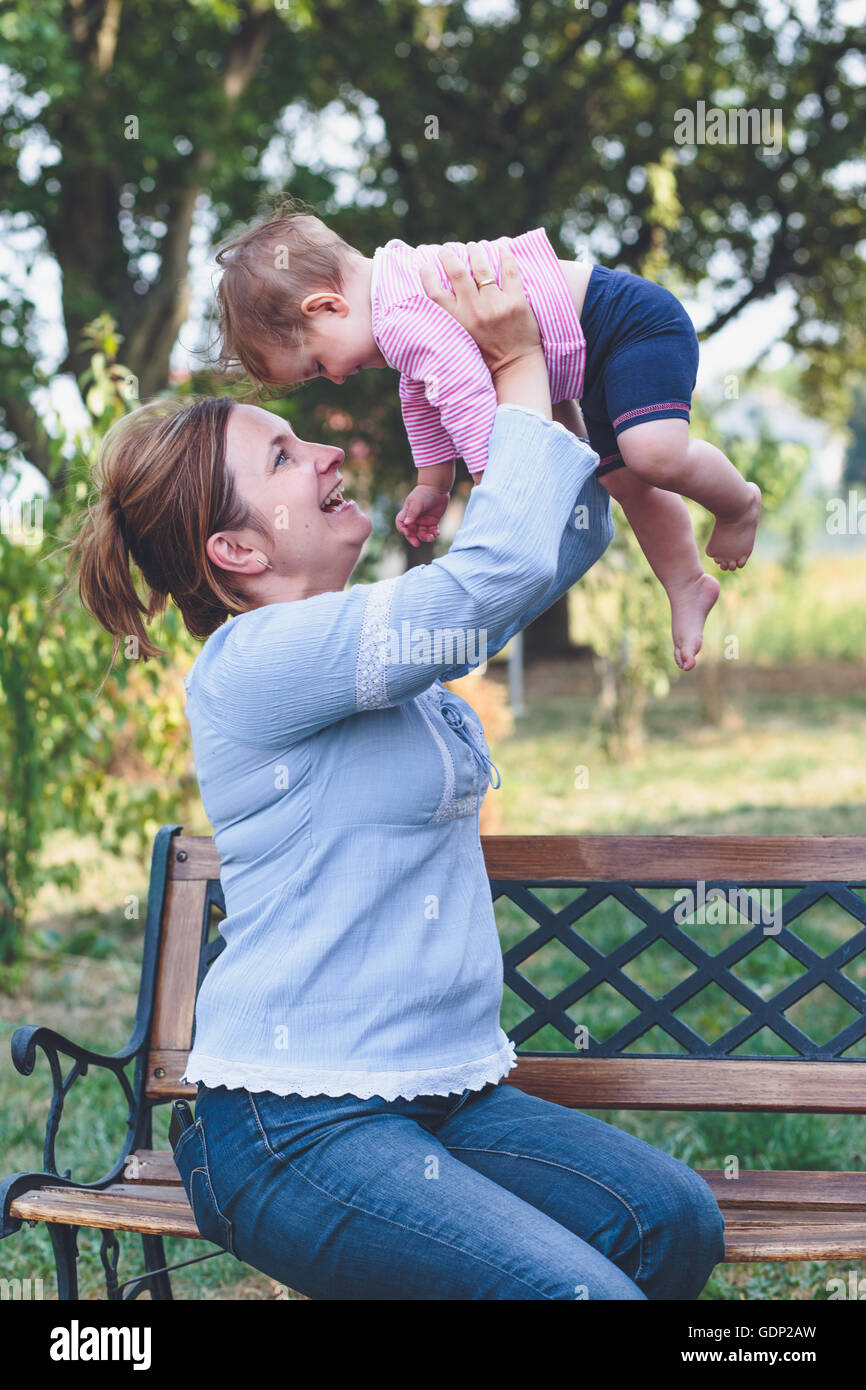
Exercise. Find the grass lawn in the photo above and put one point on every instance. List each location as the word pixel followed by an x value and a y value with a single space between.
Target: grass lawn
pixel 788 759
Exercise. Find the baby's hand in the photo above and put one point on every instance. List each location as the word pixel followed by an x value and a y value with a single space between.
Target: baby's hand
pixel 418 519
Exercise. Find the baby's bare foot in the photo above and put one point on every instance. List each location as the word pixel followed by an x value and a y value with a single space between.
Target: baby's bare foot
pixel 733 537
pixel 689 608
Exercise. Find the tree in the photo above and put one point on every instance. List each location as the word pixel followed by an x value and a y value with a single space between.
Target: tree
pixel 137 112
pixel 550 114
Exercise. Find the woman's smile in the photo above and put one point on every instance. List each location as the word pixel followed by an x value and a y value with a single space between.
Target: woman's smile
pixel 334 501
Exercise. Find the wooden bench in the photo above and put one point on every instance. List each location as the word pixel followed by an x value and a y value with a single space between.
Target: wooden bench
pixel 769 1215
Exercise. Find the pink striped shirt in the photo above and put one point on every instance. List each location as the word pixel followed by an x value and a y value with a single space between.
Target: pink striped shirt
pixel 446 391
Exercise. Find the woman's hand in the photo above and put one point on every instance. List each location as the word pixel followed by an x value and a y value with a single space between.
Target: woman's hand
pixel 500 320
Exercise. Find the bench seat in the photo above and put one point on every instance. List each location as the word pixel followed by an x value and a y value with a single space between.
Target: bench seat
pixel 768 1215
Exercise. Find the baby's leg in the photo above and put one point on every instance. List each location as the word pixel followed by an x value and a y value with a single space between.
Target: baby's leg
pixel 661 453
pixel 662 525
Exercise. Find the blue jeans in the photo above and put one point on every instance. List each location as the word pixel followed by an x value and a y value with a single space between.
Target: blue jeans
pixel 491 1194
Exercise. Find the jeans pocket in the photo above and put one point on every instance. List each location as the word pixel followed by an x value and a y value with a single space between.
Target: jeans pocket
pixel 190 1158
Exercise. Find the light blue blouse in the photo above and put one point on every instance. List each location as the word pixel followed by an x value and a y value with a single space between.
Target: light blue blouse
pixel 343 784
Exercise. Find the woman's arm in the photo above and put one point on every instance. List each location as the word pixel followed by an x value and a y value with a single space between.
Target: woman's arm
pixel 569 413
pixel 284 671
pixel 584 540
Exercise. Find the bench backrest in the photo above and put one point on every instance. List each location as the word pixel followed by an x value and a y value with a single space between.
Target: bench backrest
pixel 646 881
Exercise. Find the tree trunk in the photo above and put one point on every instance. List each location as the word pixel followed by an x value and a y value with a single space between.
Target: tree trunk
pixel 711 693
pixel 622 705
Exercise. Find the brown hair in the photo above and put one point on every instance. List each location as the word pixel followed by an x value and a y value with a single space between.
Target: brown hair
pixel 267 271
pixel 163 488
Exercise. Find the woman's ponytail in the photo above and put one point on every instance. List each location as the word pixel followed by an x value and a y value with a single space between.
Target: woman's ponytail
pixel 105 583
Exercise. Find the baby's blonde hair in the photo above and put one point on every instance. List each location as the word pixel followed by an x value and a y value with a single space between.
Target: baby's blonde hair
pixel 267 272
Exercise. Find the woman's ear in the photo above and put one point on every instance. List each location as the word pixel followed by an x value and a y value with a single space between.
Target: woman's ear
pixel 227 553
pixel 324 301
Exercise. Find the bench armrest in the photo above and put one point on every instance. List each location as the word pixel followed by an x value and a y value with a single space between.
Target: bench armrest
pixel 28 1038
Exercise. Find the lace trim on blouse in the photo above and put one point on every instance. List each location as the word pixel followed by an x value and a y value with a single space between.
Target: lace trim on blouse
pixel 371 669
pixel 390 1085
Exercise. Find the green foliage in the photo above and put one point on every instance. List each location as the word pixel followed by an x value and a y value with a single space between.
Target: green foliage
pixel 107 386
pixel 139 109
pixel 811 614
pixel 548 115
pixel 469 124
pixel 72 757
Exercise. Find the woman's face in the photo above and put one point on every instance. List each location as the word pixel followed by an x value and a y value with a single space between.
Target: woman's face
pixel 286 479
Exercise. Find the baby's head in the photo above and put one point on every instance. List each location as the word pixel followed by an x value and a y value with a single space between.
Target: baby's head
pixel 294 302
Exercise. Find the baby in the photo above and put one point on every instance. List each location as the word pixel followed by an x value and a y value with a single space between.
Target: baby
pixel 297 302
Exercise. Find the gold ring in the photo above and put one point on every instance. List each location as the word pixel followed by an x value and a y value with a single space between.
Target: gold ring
pixel 491 280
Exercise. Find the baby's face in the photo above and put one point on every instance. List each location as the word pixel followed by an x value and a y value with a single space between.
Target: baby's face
pixel 338 343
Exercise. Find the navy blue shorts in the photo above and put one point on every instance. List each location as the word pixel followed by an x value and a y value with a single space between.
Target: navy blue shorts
pixel 641 358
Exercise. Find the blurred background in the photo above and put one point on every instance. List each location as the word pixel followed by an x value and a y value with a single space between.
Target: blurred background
pixel 135 137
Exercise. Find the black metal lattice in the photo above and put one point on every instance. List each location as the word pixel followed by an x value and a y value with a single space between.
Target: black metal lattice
pixel 562 925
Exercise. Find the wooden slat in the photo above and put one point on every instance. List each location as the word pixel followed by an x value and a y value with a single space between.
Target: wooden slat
pixel 677 858
pixel 177 972
pixel 758 1232
pixel 153 1167
pixel 123 1208
pixel 768 1188
pixel 753 1187
pixel 646 1083
pixel 750 1234
pixel 629 858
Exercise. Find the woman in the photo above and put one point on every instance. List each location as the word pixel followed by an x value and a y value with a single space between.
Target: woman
pixel 352 1138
